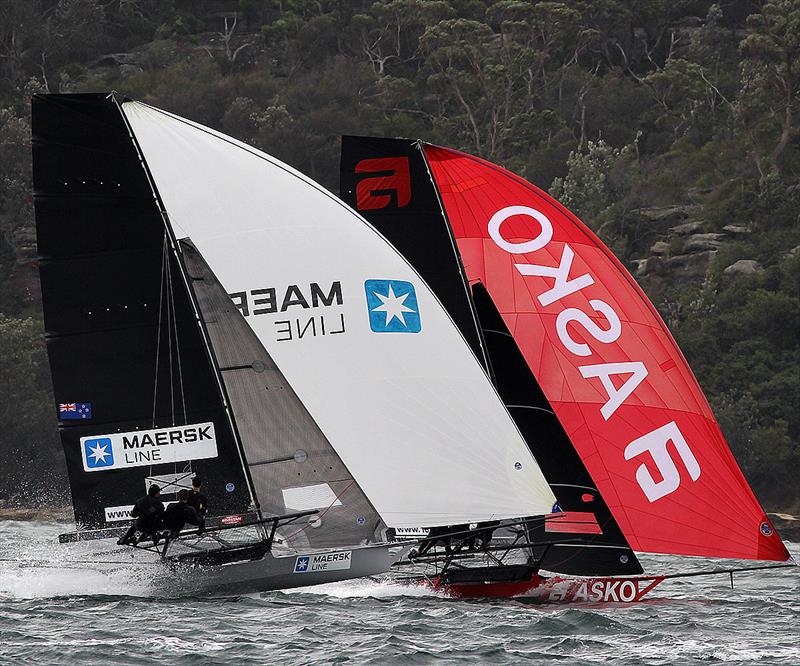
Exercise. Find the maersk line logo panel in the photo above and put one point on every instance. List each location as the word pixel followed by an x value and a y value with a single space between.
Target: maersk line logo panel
pixel 392 306
pixel 148 447
pixel 97 452
pixel 323 562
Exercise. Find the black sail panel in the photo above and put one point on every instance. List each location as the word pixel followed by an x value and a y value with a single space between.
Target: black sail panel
pixel 388 182
pixel 291 462
pixel 124 358
pixel 597 545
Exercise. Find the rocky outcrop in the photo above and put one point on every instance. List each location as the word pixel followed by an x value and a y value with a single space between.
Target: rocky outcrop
pixel 673 213
pixel 686 228
pixel 683 254
pixel 703 242
pixel 659 248
pixel 736 230
pixel 743 267
pixel 128 64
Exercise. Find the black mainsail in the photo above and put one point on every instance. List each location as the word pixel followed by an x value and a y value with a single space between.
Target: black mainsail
pixel 146 348
pixel 388 182
pixel 122 342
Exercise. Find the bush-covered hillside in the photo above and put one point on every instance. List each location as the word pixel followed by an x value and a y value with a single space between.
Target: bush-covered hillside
pixel 669 126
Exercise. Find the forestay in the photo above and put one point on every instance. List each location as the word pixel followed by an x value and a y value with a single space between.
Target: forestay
pixel 357 333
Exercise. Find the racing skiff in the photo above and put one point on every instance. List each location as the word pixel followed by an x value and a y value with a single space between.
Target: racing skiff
pixel 209 310
pixel 590 373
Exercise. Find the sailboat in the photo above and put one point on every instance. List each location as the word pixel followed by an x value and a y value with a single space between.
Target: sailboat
pixel 210 311
pixel 594 380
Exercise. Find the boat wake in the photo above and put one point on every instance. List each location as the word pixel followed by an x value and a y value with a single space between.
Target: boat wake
pixel 367 588
pixel 33 566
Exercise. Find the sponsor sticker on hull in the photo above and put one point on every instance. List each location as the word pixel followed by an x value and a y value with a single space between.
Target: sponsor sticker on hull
pixel 323 562
pixel 148 447
pixel 118 513
pixel 598 589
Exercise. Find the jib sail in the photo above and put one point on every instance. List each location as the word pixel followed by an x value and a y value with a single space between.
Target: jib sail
pixel 361 338
pixel 137 398
pixel 387 181
pixel 291 463
pixel 607 364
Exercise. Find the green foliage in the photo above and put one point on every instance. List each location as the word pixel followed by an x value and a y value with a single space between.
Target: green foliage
pixel 29 426
pixel 615 106
pixel 587 189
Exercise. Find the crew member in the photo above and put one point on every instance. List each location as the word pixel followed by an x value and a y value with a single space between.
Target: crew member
pixel 483 534
pixel 178 514
pixel 147 511
pixel 440 536
pixel 196 499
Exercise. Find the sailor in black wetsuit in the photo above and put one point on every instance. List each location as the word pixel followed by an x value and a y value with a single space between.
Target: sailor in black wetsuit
pixel 147 511
pixel 197 500
pixel 437 536
pixel 178 514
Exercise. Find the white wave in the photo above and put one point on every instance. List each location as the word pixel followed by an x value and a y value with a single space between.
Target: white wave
pixel 34 565
pixel 366 588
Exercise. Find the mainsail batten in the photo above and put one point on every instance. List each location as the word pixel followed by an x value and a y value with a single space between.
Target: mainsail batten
pixel 607 364
pixel 365 344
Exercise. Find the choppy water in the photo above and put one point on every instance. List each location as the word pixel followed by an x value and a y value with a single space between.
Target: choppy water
pixel 58 616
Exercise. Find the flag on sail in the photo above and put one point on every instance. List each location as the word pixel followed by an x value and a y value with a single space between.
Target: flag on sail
pixel 74 411
pixel 607 363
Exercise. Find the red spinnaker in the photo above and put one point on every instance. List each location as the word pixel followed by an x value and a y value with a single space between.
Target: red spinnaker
pixel 608 365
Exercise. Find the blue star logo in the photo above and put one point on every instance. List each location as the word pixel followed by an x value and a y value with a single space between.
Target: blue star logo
pixel 301 564
pixel 392 306
pixel 98 452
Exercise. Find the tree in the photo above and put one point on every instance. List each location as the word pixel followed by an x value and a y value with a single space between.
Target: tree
pixel 28 440
pixel 771 81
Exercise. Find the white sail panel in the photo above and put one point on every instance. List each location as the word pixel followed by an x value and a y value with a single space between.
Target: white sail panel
pixel 357 333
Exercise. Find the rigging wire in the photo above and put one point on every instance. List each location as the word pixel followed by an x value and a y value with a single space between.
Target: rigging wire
pixel 169 334
pixel 178 351
pixel 158 328
pixel 319 516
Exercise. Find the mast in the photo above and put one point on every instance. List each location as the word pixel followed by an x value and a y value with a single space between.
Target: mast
pixel 192 298
pixel 460 264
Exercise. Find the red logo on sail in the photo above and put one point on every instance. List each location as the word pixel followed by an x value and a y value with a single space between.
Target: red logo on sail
pixel 390 181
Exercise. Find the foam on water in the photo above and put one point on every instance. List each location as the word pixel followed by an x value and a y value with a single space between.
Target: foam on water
pixel 33 565
pixel 366 588
pixel 88 615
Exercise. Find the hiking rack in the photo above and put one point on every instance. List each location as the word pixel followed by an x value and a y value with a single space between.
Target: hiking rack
pixel 256 549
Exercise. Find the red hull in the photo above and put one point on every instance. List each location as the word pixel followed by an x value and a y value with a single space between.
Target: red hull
pixel 555 589
pixel 487 589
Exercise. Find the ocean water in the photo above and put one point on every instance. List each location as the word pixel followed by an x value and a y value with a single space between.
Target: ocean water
pixel 56 615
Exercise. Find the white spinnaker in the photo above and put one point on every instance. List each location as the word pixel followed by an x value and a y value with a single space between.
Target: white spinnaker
pixel 412 415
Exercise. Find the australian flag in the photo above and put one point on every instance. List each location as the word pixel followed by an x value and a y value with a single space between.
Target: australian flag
pixel 74 411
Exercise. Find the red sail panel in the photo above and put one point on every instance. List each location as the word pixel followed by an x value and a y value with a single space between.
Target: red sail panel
pixel 607 363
